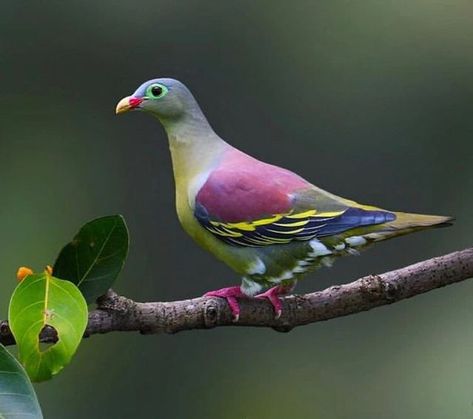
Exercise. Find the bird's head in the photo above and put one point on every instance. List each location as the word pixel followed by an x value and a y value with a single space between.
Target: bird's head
pixel 167 99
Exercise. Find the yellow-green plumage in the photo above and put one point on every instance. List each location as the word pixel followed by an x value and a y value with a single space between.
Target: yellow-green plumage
pixel 267 223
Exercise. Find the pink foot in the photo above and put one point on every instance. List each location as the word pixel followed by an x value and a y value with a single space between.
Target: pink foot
pixel 230 294
pixel 273 296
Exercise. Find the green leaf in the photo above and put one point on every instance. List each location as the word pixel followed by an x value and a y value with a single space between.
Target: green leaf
pixel 41 300
pixel 17 397
pixel 95 257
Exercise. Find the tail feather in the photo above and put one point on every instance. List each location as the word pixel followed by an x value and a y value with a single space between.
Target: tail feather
pixel 406 220
pixel 407 223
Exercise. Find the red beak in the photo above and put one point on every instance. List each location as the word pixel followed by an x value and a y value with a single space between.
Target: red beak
pixel 128 103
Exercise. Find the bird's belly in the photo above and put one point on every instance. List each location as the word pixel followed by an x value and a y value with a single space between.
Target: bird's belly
pixel 236 258
pixel 290 261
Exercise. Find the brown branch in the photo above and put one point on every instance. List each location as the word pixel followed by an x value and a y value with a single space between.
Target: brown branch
pixel 116 313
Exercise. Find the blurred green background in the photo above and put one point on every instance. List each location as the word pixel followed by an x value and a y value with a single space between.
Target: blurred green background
pixel 372 100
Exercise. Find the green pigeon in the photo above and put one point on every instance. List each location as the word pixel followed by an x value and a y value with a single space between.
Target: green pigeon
pixel 267 223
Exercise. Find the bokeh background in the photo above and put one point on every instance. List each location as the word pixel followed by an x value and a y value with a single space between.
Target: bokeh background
pixel 372 100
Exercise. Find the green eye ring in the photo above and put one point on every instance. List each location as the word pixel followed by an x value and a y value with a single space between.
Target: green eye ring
pixel 156 91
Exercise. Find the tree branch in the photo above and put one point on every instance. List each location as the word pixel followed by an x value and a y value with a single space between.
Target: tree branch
pixel 117 313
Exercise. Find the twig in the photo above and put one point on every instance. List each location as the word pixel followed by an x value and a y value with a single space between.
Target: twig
pixel 117 313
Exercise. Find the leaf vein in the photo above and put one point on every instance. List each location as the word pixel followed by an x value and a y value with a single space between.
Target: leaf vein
pixel 98 254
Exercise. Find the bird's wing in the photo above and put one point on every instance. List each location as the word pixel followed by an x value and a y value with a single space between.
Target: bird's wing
pixel 243 208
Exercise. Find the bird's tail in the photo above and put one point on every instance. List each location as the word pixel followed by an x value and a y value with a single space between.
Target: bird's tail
pixel 408 223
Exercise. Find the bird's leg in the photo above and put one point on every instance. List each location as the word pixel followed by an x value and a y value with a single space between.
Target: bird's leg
pixel 230 294
pixel 273 295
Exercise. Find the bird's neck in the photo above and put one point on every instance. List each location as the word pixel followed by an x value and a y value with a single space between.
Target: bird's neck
pixel 195 147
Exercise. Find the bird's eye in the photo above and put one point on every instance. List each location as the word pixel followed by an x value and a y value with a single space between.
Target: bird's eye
pixel 156 91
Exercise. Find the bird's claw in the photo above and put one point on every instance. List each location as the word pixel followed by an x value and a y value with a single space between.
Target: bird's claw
pixel 230 294
pixel 273 296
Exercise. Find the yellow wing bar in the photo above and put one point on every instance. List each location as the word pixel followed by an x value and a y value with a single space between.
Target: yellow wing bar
pixel 276 229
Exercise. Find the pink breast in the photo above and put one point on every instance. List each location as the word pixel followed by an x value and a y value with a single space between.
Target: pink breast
pixel 243 189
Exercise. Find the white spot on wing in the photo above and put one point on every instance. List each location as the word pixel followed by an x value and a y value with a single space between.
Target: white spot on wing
pixel 339 246
pixel 356 241
pixel 353 252
pixel 300 267
pixel 283 277
pixel 305 262
pixel 377 236
pixel 318 248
